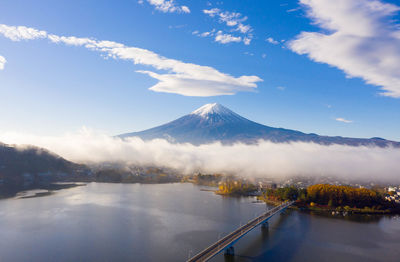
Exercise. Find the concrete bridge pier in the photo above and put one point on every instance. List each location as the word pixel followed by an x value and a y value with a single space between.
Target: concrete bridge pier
pixel 230 251
pixel 265 226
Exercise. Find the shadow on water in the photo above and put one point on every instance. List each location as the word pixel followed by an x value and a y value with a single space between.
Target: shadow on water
pixel 28 192
pixel 283 240
pixel 359 218
pixel 230 258
pixel 277 242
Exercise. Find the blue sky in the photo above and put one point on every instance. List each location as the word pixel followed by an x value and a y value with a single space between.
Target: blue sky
pixel 337 70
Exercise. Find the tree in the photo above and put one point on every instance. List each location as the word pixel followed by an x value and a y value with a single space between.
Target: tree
pixel 332 195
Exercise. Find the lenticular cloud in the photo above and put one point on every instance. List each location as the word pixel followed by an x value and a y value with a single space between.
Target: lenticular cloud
pixel 265 159
pixel 173 76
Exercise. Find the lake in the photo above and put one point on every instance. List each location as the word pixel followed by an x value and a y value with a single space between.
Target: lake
pixel 170 222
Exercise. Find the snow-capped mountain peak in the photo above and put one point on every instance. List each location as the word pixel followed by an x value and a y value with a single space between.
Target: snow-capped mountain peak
pixel 214 122
pixel 210 109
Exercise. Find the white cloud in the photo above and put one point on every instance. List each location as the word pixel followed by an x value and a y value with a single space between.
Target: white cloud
pixel 185 9
pixel 272 41
pixel 72 40
pixel 212 12
pixel 3 61
pixel 205 34
pixel 360 37
pixel 232 19
pixel 293 10
pixel 243 28
pixel 226 38
pixel 281 88
pixel 18 33
pixel 246 40
pixel 168 6
pixel 178 77
pixel 265 159
pixel 339 119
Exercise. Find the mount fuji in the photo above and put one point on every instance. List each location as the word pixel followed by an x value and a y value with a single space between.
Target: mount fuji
pixel 214 122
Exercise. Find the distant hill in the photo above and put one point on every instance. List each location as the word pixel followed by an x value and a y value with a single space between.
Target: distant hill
pixel 214 122
pixel 31 166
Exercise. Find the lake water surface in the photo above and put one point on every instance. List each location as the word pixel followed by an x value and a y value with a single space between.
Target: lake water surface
pixel 170 222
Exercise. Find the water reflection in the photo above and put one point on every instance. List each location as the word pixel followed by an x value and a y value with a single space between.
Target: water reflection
pixel 116 222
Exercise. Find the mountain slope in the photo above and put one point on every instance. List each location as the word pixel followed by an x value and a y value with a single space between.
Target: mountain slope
pixel 31 166
pixel 214 122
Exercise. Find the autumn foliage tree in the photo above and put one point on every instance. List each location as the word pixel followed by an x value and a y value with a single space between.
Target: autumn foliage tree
pixel 332 195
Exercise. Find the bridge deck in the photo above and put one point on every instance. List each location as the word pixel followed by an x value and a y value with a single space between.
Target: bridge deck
pixel 231 238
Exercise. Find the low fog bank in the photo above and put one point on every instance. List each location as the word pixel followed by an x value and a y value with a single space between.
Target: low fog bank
pixel 266 159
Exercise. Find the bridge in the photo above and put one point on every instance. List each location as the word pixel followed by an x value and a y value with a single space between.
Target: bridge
pixel 226 243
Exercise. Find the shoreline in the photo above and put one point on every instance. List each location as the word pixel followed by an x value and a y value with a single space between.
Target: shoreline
pixel 334 211
pixel 43 190
pixel 300 206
